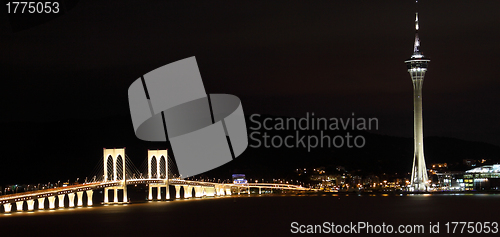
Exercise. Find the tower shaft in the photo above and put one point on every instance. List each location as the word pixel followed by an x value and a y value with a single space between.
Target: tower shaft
pixel 419 170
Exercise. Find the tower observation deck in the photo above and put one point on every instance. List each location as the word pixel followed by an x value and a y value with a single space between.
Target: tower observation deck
pixel 417 66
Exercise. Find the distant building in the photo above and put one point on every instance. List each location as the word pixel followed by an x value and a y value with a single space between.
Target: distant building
pixel 239 179
pixel 439 165
pixel 482 178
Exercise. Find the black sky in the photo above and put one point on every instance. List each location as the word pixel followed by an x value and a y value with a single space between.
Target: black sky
pixel 280 57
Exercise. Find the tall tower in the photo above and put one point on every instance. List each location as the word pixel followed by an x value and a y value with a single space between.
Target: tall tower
pixel 417 66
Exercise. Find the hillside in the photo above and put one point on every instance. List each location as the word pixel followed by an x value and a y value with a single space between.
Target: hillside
pixel 70 149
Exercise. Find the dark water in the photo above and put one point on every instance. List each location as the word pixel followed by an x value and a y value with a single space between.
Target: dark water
pixel 265 215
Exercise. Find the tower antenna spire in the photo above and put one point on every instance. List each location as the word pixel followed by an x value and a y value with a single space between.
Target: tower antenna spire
pixel 416 45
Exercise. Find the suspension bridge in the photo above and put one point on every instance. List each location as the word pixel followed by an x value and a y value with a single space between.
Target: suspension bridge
pixel 117 171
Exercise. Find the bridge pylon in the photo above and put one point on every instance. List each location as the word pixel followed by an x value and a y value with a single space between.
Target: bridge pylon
pixel 158 169
pixel 117 157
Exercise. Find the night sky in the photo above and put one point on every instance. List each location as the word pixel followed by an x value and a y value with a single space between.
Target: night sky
pixel 279 57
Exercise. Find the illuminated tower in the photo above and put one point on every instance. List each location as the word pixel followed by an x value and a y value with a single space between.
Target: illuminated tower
pixel 417 66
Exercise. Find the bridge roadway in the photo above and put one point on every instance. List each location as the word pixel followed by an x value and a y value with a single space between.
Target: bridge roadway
pixel 200 189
